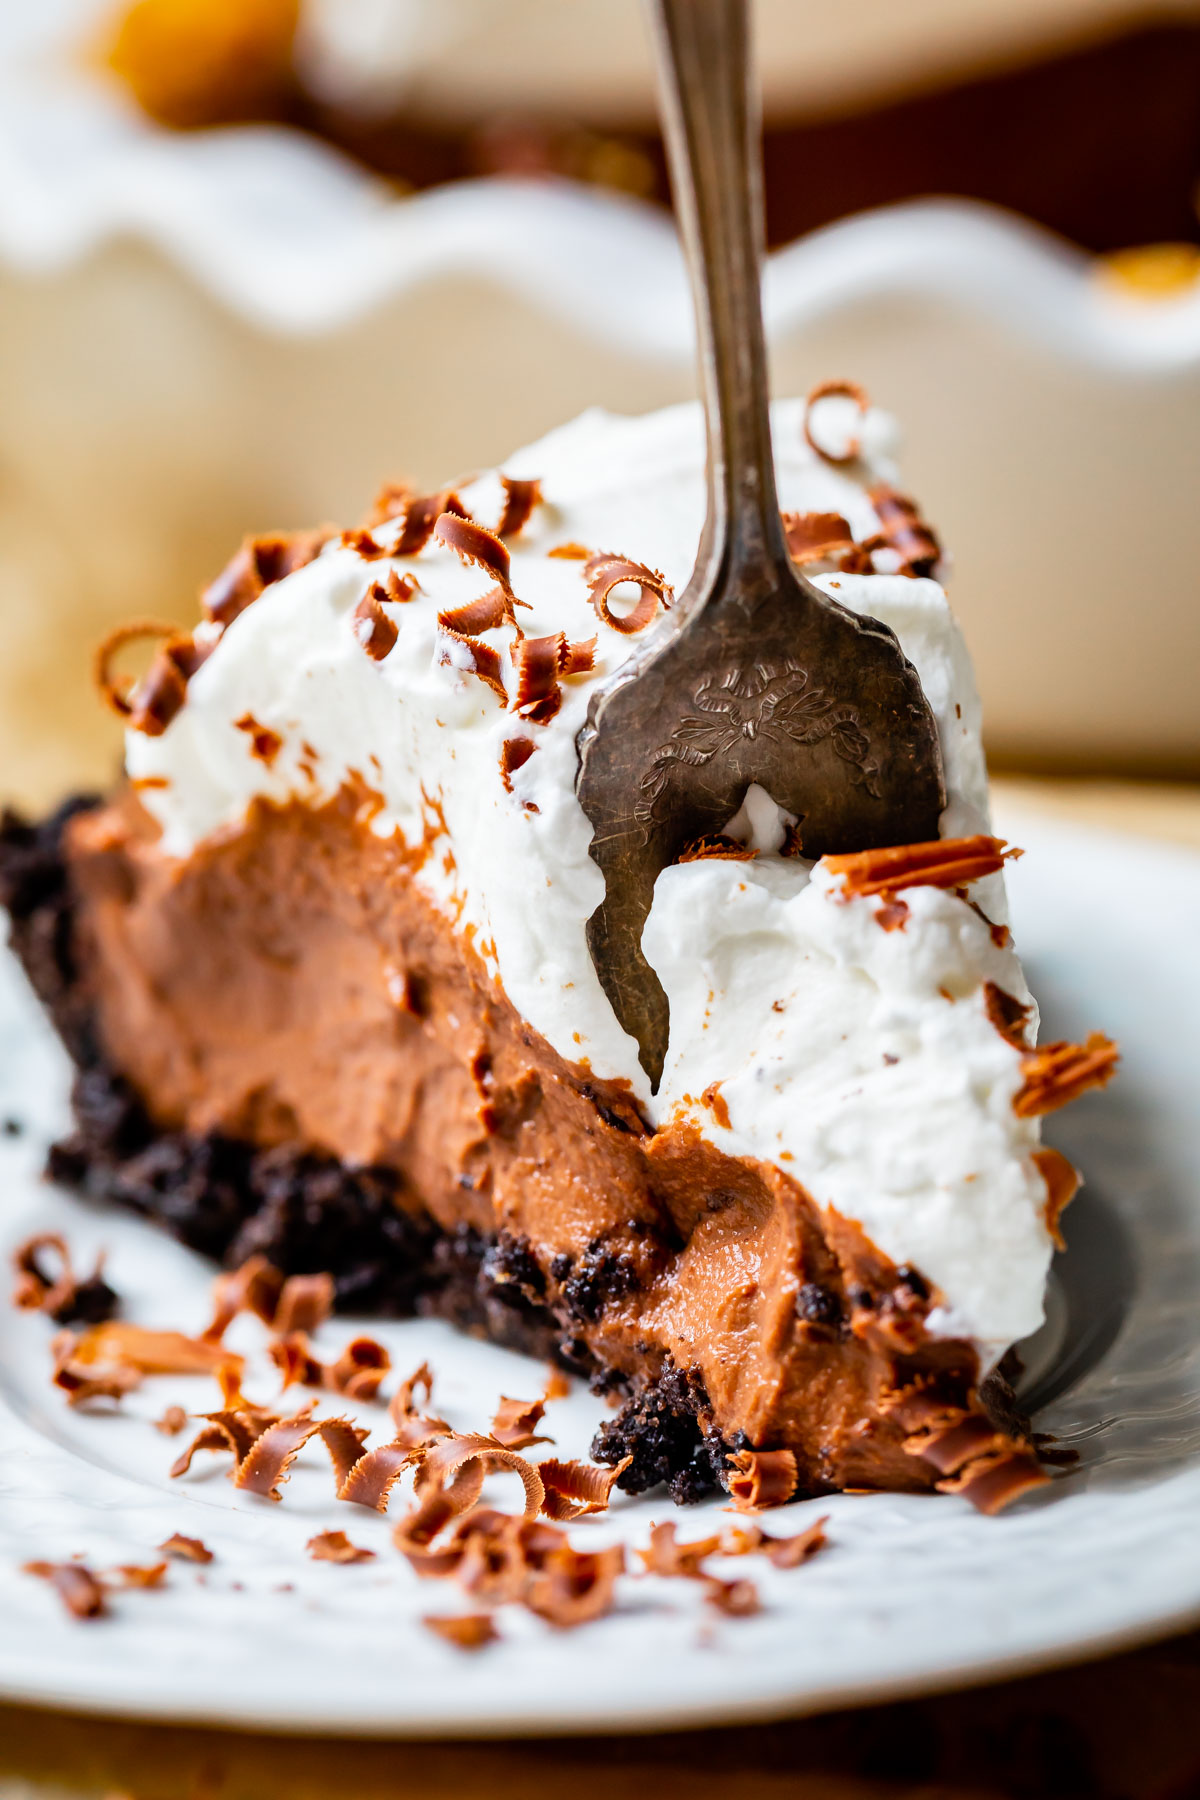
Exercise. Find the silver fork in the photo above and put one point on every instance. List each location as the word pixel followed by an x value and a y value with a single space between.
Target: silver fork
pixel 755 675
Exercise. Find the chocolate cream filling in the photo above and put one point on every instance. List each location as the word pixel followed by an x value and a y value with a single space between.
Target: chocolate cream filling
pixel 283 1045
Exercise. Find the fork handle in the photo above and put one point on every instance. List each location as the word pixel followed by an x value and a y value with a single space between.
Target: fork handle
pixel 712 126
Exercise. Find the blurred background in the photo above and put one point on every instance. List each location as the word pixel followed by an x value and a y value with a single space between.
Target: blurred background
pixel 257 255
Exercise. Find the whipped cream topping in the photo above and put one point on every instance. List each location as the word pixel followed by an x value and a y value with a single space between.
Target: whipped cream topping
pixel 860 1060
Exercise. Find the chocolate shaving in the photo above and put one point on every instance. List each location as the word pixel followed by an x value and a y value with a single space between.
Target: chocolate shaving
pixel 520 498
pixel 816 537
pixel 421 514
pixel 789 1553
pixel 491 610
pixel 513 1422
pixel 375 1474
pixel 466 1631
pixel 267 1464
pixel 66 1297
pixel 150 704
pixel 665 1556
pixel 474 544
pixel 77 1587
pixel 187 1549
pixel 944 863
pixel 254 1286
pixel 389 502
pixel 256 565
pixel 400 589
pixel 573 1587
pixel 713 845
pixel 1009 1015
pixel 577 659
pixel 994 1481
pixel 536 662
pixel 359 1370
pixel 576 1488
pixel 172 1421
pixel 371 626
pixel 265 744
pixel 1062 1185
pixel 738 1599
pixel 514 754
pixel 824 390
pixel 148 1352
pixel 305 1302
pixel 1058 1073
pixel 557 1386
pixel 485 662
pixel 211 1437
pixel 450 1457
pixel 570 552
pixel 761 1478
pixel 335 1547
pixel 904 531
pixel 363 544
pixel 137 1575
pixel 605 571
pixel 414 1429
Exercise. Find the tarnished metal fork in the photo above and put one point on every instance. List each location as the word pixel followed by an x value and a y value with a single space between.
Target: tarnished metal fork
pixel 755 675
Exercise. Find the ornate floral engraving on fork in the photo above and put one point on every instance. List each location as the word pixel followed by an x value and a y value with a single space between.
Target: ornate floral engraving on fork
pixel 745 703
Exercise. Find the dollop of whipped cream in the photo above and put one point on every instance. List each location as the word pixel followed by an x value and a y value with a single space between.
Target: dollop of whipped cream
pixel 859 1060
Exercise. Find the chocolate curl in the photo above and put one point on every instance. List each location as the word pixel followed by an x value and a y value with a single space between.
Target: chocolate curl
pixel 1008 1015
pixel 452 1457
pixel 485 662
pixel 81 1384
pixel 995 1481
pixel 824 390
pixel 491 610
pixel 137 1575
pixel 514 754
pixel 268 1463
pixel 389 502
pixel 148 1352
pixel 944 863
pixel 172 1422
pixel 256 565
pixel 738 1599
pixel 790 1553
pixel 212 1437
pixel 187 1549
pixel 335 1547
pixel 1058 1073
pixel 400 589
pixel 664 1556
pixel 605 571
pixel 536 661
pixel 576 1488
pixel 513 1423
pixel 570 552
pixel 375 1474
pixel 359 1371
pixel 520 498
pixel 903 530
pixel 151 704
pixel 816 537
pixel 254 1286
pixel 413 1429
pixel 761 1478
pixel 76 1586
pixel 296 1363
pixel 1062 1184
pixel 364 545
pixel 474 544
pixel 575 1586
pixel 466 1631
pixel 373 629
pixel 557 1386
pixel 305 1302
pixel 415 1532
pixel 66 1297
pixel 421 515
pixel 577 659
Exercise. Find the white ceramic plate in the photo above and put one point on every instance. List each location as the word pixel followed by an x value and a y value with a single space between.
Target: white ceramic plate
pixel 913 1594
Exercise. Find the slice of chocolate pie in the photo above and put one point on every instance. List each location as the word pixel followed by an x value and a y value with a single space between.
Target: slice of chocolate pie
pixel 322 966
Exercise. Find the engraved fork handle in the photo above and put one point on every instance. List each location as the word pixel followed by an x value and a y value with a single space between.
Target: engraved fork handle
pixel 712 129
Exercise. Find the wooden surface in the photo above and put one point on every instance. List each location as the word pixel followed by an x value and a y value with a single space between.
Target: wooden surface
pixel 1127 1728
